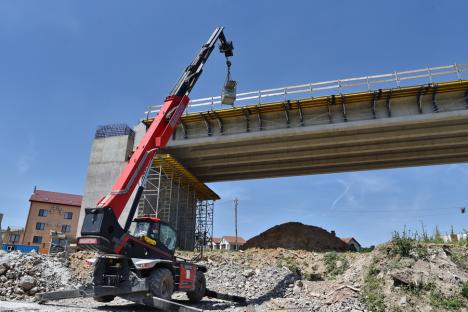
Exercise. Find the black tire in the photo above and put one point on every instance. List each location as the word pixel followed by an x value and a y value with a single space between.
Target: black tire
pixel 200 288
pixel 161 283
pixel 108 298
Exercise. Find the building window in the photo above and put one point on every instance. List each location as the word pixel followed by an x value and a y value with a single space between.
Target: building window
pixel 68 215
pixel 40 226
pixel 65 228
pixel 14 238
pixel 37 239
pixel 43 212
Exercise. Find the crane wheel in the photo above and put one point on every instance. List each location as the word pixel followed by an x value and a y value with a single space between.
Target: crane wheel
pixel 108 298
pixel 161 283
pixel 200 288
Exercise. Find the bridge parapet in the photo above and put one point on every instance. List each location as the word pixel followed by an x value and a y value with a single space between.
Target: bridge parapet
pixel 428 75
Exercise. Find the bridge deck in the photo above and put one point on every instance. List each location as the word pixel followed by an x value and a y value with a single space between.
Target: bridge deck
pixel 386 128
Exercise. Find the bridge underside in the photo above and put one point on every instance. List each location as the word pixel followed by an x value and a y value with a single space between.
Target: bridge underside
pixel 389 129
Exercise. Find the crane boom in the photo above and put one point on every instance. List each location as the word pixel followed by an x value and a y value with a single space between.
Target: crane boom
pixel 163 126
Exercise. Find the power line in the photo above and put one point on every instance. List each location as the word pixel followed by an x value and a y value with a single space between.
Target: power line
pixel 447 209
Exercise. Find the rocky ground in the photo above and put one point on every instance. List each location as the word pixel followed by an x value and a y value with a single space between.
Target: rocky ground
pixel 420 277
pixel 23 275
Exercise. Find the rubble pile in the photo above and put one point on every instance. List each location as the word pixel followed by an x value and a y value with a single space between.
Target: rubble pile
pixel 81 270
pixel 278 279
pixel 429 277
pixel 24 275
pixel 295 235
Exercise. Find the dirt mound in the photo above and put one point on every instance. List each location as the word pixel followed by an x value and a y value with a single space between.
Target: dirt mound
pixel 295 235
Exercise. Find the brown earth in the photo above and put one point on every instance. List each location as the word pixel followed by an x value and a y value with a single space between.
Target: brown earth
pixel 298 236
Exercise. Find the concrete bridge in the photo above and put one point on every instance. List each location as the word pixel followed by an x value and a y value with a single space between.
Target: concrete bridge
pixel 387 128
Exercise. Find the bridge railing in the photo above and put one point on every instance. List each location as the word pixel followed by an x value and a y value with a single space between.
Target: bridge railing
pixel 312 89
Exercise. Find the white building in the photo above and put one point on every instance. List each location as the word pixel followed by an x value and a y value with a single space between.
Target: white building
pixel 229 243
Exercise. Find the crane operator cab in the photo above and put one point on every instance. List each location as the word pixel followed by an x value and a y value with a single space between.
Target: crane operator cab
pixel 155 232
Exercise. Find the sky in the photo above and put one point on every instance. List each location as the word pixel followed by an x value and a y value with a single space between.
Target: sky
pixel 68 66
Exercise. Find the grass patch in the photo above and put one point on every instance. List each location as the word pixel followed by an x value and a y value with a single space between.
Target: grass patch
pixel 464 290
pixel 372 294
pixel 335 264
pixel 459 259
pixel 453 303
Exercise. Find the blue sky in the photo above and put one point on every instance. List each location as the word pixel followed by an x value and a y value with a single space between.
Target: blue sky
pixel 69 66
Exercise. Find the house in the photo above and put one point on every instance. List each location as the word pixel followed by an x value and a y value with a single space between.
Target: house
pixel 12 235
pixel 352 243
pixel 229 243
pixel 52 220
pixel 214 243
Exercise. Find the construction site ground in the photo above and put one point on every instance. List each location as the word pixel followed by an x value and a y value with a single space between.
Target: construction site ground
pixel 393 277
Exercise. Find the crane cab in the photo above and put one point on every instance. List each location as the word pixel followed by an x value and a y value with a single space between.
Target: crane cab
pixel 154 232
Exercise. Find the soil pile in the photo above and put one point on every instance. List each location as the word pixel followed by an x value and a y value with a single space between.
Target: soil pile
pixel 298 236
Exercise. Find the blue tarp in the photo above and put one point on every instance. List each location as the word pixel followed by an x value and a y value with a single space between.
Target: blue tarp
pixel 22 248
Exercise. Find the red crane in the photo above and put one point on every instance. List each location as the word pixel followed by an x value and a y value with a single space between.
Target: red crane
pixel 138 259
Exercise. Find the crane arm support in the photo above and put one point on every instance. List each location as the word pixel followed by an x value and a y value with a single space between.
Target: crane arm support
pixel 163 126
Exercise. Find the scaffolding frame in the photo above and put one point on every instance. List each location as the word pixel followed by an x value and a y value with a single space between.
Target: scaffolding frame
pixel 177 197
pixel 204 223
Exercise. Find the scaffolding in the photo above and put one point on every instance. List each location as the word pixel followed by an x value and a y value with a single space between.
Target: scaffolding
pixel 177 197
pixel 204 223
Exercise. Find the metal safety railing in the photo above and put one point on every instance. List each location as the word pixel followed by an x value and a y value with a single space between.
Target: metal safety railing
pixel 312 89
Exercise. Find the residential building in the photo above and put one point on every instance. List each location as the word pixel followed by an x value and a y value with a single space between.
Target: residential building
pixel 229 243
pixel 52 219
pixel 214 244
pixel 352 243
pixel 12 235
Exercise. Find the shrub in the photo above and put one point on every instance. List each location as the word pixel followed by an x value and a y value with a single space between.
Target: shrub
pixel 331 260
pixel 402 244
pixel 289 263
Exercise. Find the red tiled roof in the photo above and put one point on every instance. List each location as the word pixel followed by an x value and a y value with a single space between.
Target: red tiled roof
pixel 348 240
pixel 56 198
pixel 232 240
pixel 216 240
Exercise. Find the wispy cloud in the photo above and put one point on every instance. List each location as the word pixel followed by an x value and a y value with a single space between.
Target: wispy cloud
pixel 27 157
pixel 357 187
pixel 341 195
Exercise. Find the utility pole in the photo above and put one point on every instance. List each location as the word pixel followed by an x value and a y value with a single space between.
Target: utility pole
pixel 236 204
